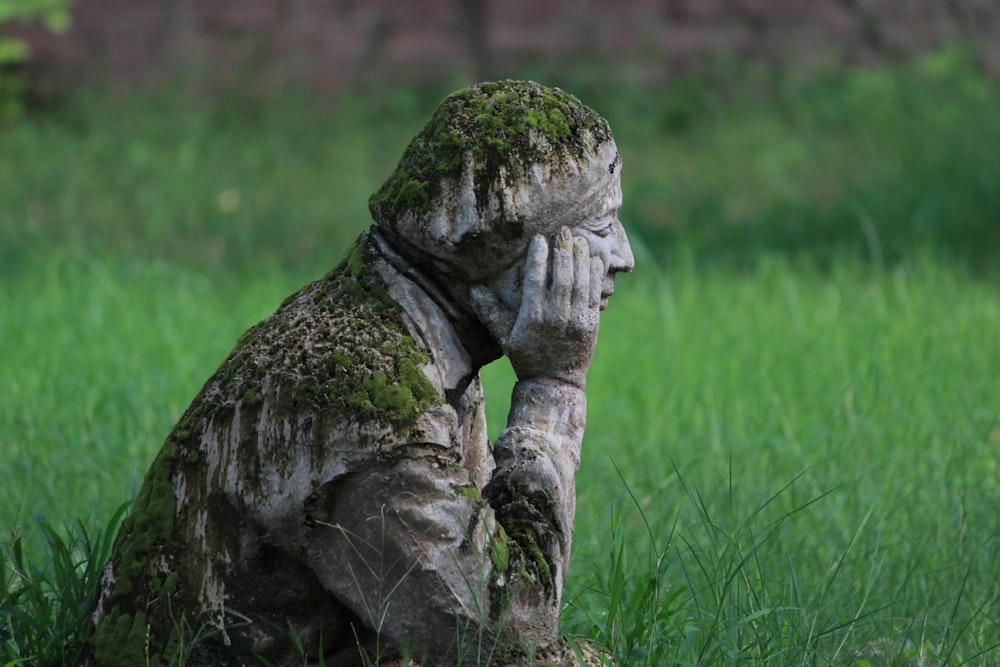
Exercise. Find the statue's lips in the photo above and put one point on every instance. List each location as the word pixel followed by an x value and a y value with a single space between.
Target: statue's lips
pixel 604 299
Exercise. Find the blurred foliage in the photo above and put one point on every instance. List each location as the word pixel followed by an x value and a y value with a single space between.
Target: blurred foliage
pixel 54 16
pixel 721 165
pixel 870 161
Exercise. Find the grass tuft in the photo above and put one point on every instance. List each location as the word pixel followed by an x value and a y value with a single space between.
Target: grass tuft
pixel 46 598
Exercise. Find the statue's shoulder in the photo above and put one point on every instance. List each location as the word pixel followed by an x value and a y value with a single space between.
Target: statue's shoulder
pixel 338 344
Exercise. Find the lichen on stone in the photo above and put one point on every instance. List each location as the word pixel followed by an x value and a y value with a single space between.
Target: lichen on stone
pixel 502 124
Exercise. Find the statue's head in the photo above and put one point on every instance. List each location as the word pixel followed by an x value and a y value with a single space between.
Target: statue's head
pixel 497 164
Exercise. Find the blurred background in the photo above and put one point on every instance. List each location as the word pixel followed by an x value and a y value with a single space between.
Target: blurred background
pixel 258 128
pixel 334 46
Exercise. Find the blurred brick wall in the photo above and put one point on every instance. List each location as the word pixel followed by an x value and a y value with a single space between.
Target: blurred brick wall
pixel 331 44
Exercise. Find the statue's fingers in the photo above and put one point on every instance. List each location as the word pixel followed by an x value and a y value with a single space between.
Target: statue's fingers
pixel 581 274
pixel 586 313
pixel 533 294
pixel 596 281
pixel 562 276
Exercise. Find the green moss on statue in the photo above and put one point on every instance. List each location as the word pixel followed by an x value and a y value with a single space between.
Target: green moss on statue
pixel 495 123
pixel 468 491
pixel 371 366
pixel 355 260
pixel 151 520
pixel 403 398
pixel 523 549
pixel 122 636
pixel 341 345
pixel 499 550
pixel 121 640
pixel 252 399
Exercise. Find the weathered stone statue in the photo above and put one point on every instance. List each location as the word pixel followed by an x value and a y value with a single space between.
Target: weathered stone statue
pixel 331 490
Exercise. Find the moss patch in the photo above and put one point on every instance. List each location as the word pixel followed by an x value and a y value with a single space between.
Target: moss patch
pixel 497 124
pixel 120 641
pixel 468 491
pixel 121 637
pixel 354 260
pixel 251 398
pixel 378 394
pixel 526 554
pixel 339 340
pixel 499 550
pixel 151 522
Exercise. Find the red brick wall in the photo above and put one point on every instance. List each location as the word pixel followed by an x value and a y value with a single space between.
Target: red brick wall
pixel 331 44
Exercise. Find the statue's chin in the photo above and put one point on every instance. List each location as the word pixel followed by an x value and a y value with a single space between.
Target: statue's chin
pixel 609 289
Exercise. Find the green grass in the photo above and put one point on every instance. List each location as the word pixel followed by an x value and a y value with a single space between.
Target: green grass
pixel 794 411
pixel 839 431
pixel 873 163
pixel 99 362
pixel 783 466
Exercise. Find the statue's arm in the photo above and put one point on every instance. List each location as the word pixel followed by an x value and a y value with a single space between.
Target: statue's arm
pixel 537 455
pixel 550 347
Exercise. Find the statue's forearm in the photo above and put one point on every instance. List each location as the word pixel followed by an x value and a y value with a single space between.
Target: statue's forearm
pixel 546 422
pixel 537 455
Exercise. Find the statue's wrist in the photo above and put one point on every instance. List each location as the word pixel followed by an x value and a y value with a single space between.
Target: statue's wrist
pixel 551 405
pixel 574 377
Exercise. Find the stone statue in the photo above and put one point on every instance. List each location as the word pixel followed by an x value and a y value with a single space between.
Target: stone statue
pixel 331 491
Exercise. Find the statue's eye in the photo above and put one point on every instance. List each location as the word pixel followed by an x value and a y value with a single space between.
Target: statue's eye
pixel 604 230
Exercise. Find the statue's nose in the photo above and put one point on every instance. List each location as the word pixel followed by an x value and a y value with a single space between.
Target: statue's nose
pixel 622 260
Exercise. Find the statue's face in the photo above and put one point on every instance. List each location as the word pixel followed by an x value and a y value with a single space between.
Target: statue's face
pixel 586 202
pixel 604 233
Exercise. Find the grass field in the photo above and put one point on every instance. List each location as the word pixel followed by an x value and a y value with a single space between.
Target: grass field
pixel 793 443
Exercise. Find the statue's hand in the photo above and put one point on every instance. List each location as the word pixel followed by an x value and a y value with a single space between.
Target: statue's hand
pixel 555 331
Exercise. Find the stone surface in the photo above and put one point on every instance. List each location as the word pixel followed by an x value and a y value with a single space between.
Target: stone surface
pixel 331 490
